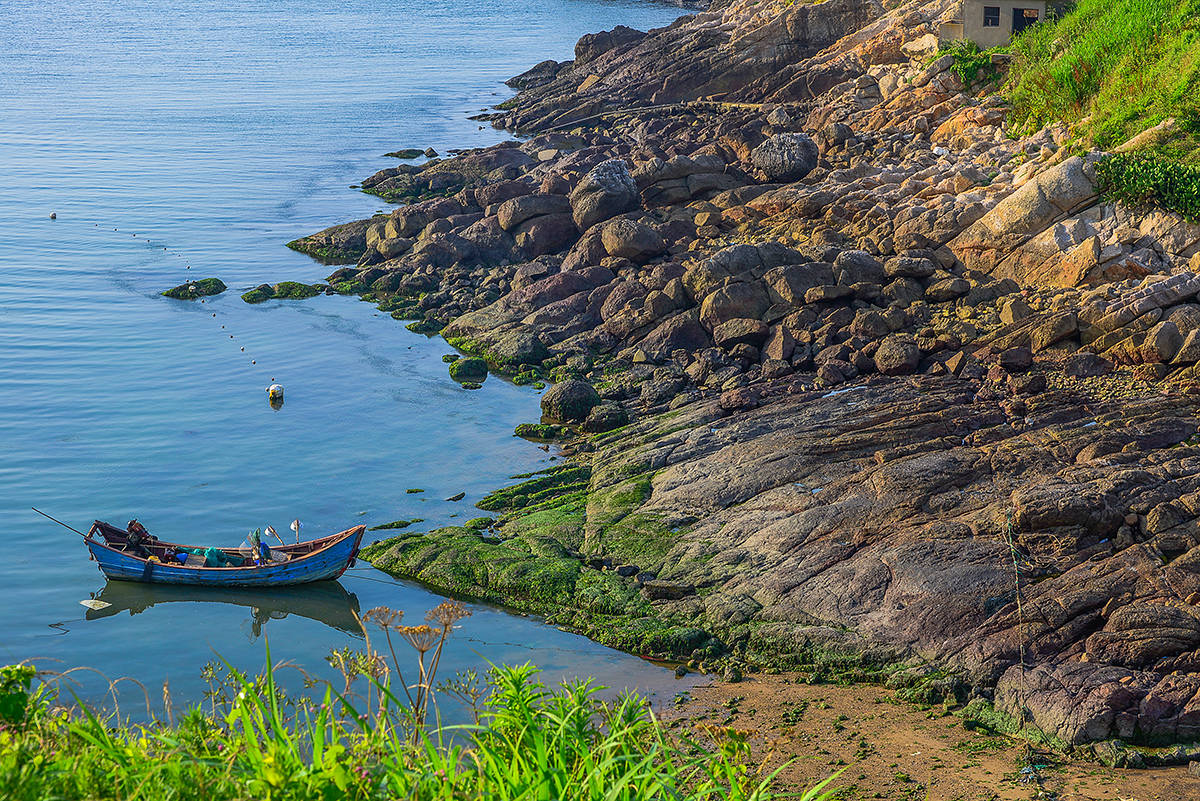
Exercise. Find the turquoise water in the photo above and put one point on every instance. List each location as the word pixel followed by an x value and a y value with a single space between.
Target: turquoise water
pixel 175 140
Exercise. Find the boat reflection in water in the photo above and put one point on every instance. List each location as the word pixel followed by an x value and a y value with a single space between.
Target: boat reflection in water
pixel 324 601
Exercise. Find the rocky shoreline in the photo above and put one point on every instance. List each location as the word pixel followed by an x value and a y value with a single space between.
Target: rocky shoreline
pixel 855 383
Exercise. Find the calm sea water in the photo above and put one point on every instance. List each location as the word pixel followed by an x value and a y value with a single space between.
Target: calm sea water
pixel 177 139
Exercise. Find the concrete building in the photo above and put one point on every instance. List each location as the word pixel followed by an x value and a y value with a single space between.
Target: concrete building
pixel 991 23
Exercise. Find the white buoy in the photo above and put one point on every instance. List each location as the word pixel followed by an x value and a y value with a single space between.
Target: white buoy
pixel 275 392
pixel 53 215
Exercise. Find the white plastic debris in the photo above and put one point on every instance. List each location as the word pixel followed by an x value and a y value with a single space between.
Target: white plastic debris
pixel 92 603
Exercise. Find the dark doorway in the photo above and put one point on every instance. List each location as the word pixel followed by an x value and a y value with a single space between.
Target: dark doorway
pixel 1023 18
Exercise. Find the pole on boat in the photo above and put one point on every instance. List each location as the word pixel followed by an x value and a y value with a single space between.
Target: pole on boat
pixel 56 520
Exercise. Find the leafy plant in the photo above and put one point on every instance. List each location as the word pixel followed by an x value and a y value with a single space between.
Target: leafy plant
pixel 1141 179
pixel 528 742
pixel 971 64
pixel 15 682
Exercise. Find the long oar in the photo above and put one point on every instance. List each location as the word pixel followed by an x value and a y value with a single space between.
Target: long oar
pixel 56 520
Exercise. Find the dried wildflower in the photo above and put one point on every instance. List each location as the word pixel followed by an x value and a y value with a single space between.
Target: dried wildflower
pixel 447 613
pixel 384 617
pixel 422 637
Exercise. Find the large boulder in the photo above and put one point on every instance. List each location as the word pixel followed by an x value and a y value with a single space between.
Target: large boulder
pixel 739 299
pixel 995 242
pixel 594 45
pixel 338 244
pixel 606 191
pixel 740 331
pixel 539 74
pixel 631 240
pixel 517 210
pixel 550 233
pixel 570 400
pixel 790 282
pixel 678 332
pixel 518 348
pixel 786 157
pixel 897 355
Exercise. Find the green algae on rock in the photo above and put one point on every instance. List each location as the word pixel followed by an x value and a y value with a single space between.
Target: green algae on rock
pixel 284 290
pixel 337 244
pixel 193 290
pixel 538 431
pixel 469 370
pixel 396 524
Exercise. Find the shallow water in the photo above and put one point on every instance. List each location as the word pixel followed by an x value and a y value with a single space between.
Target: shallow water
pixel 176 141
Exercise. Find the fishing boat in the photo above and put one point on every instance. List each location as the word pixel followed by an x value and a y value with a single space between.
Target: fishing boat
pixel 158 562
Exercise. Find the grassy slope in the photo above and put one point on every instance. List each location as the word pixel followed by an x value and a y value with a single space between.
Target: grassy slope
pixel 1114 68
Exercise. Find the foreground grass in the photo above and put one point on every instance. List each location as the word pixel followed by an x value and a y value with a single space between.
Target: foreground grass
pixel 369 740
pixel 1114 68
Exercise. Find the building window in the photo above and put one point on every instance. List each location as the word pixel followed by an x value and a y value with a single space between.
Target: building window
pixel 991 16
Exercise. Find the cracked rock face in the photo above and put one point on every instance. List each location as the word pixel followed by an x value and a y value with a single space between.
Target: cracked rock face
pixel 908 513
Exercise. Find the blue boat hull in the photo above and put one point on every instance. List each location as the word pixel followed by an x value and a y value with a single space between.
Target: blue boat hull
pixel 327 563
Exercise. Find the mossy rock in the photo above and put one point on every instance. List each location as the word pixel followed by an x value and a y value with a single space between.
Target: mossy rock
pixel 284 290
pixel 527 377
pixel 193 290
pixel 349 287
pixel 294 290
pixel 450 358
pixel 260 294
pixel 540 487
pixel 478 523
pixel 538 431
pixel 471 385
pixel 427 327
pixel 469 370
pixel 406 153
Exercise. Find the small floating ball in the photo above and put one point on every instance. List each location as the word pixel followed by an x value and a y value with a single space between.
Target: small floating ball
pixel 53 215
